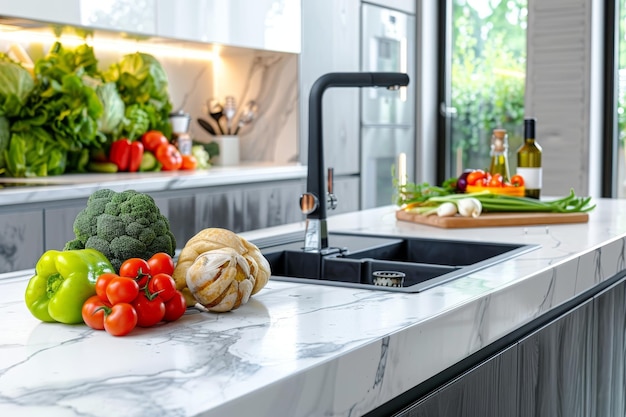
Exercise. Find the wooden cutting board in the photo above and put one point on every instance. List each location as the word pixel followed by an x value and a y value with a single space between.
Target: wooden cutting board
pixel 493 219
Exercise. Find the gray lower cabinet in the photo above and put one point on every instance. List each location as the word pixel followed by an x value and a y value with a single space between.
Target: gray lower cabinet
pixel 272 204
pixel 609 384
pixel 348 193
pixel 180 210
pixel 488 390
pixel 573 366
pixel 59 224
pixel 21 239
pixel 221 207
pixel 555 367
pixel 26 231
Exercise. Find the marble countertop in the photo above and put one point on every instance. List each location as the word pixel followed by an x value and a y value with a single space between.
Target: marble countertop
pixel 303 350
pixel 68 186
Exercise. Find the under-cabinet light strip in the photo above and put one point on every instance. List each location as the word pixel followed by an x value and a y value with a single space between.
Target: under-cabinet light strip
pixel 123 46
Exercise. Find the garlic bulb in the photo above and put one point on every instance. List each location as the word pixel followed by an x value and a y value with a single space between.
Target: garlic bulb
pixel 469 207
pixel 446 210
pixel 216 238
pixel 220 279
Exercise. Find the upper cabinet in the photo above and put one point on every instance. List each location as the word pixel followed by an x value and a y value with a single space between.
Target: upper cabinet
pixel 406 6
pixel 137 16
pixel 272 25
pixel 257 24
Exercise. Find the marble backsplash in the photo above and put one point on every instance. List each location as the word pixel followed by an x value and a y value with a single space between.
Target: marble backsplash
pixel 269 78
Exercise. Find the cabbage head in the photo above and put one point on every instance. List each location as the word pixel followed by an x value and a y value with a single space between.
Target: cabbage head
pixel 114 108
pixel 16 84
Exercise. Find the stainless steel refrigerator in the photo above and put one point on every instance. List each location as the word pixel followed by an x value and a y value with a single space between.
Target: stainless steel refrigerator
pixel 387 117
pixel 364 129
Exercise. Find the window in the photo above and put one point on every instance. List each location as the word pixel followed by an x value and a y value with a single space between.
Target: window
pixel 485 81
pixel 620 116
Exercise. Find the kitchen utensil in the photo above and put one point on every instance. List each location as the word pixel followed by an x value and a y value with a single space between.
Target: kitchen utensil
pixel 216 111
pixel 180 135
pixel 180 121
pixel 207 126
pixel 247 116
pixel 230 109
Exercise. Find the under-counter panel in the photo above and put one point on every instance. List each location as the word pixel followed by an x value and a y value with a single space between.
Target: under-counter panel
pixel 59 224
pixel 21 240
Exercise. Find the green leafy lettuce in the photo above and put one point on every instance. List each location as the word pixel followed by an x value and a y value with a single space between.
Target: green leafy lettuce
pixel 59 124
pixel 142 82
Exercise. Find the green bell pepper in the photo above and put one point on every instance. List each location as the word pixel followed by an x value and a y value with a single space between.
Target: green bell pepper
pixel 62 282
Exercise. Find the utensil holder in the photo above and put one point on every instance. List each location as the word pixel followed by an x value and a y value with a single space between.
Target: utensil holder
pixel 229 150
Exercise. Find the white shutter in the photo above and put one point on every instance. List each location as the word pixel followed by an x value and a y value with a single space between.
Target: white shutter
pixel 558 90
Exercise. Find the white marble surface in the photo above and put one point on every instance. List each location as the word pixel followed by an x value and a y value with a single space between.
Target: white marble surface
pixel 83 185
pixel 302 350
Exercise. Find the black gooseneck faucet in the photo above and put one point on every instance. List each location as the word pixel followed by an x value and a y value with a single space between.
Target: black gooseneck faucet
pixel 313 202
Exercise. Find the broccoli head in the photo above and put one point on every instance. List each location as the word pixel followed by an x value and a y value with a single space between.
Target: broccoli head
pixel 122 225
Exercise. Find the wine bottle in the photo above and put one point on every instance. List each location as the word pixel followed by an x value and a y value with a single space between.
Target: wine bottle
pixel 529 161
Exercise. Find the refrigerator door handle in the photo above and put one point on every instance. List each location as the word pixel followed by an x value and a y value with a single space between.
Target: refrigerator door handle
pixel 447 111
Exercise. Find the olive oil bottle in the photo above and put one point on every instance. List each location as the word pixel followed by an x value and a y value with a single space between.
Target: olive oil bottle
pixel 529 161
pixel 499 154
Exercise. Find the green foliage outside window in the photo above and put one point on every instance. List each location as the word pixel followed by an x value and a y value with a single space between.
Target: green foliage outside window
pixel 488 75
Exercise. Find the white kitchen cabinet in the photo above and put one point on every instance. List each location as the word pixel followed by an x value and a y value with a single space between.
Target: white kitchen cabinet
pixel 133 16
pixel 260 24
pixel 407 6
pixel 272 25
pixel 59 11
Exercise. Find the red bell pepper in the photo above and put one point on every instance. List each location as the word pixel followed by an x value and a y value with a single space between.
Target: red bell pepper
pixel 126 154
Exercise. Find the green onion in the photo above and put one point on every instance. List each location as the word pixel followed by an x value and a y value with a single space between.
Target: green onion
pixel 494 203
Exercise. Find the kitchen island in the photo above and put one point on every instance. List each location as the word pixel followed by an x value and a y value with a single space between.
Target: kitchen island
pixel 315 350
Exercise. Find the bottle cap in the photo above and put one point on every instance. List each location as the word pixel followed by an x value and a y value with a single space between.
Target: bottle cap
pixel 499 140
pixel 499 133
pixel 529 128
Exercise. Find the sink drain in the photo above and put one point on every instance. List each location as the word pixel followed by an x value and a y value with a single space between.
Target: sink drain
pixel 388 278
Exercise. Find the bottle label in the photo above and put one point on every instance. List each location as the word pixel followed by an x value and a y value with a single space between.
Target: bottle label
pixel 532 177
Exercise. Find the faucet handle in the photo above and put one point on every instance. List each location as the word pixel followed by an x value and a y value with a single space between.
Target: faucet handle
pixel 308 203
pixel 331 198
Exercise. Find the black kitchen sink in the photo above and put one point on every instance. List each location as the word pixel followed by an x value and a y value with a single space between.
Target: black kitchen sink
pixel 357 260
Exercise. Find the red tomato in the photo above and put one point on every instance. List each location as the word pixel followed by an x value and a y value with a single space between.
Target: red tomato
pixel 169 157
pixel 153 139
pixel 517 180
pixel 474 177
pixel 101 285
pixel 189 163
pixel 121 320
pixel 137 269
pixel 175 307
pixel 164 285
pixel 122 290
pixel 150 309
pixel 93 312
pixel 161 263
pixel 496 180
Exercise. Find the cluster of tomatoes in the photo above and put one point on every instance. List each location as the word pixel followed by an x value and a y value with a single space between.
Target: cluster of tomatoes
pixel 166 153
pixel 480 178
pixel 142 294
